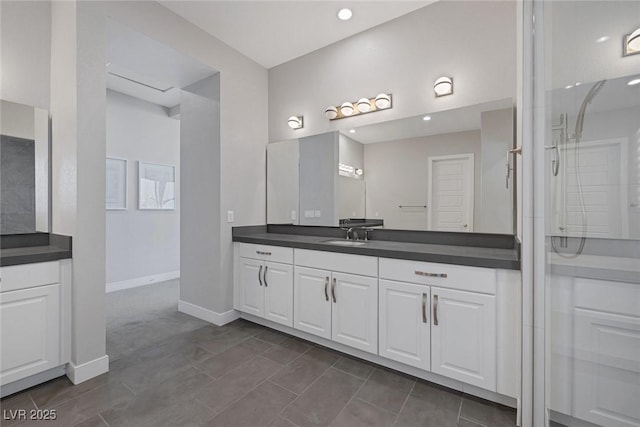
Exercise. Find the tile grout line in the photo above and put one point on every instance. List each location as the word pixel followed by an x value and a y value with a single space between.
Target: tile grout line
pixel 355 394
pixel 460 408
pixel 471 421
pixel 103 420
pixel 406 399
pixel 34 402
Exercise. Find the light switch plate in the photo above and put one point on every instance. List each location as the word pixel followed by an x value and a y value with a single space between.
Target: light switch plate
pixel 317 214
pixel 308 214
pixel 230 216
pixel 293 215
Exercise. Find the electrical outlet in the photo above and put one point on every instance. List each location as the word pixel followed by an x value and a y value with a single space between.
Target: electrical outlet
pixel 230 216
pixel 293 215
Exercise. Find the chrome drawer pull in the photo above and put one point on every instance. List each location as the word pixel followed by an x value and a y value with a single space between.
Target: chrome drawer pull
pixel 264 276
pixel 425 274
pixel 260 275
pixel 333 290
pixel 424 308
pixel 263 253
pixel 435 310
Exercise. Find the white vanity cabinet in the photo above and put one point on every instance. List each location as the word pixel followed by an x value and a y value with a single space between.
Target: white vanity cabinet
pixel 444 321
pixel 405 326
pixel 337 305
pixel 264 282
pixel 34 305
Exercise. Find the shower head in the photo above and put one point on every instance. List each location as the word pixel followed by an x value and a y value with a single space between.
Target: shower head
pixel 583 108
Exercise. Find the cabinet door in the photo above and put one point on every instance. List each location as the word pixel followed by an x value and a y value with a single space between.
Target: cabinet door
pixel 278 292
pixel 251 293
pixel 30 331
pixel 606 368
pixel 312 305
pixel 463 336
pixel 405 329
pixel 355 311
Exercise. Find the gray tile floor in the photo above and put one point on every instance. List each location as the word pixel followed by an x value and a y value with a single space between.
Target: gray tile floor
pixel 245 375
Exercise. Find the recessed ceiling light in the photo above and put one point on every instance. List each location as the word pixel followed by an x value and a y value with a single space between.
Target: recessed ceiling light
pixel 568 86
pixel 602 39
pixel 578 83
pixel 345 14
pixel 426 118
pixel 352 131
pixel 633 82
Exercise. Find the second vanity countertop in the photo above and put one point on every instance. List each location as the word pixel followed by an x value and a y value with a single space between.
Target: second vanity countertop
pixel 34 248
pixel 488 257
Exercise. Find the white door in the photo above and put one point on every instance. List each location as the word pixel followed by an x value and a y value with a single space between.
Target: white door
pixel 606 372
pixel 405 330
pixel 30 330
pixel 450 193
pixel 463 336
pixel 251 293
pixel 312 304
pixel 278 292
pixel 355 311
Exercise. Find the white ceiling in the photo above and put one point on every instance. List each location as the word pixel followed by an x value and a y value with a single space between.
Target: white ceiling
pixel 274 32
pixel 135 62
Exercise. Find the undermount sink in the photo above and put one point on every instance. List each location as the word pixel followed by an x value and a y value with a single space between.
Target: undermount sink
pixel 345 242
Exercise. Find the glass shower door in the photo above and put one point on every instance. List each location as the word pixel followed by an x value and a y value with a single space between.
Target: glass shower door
pixel 591 137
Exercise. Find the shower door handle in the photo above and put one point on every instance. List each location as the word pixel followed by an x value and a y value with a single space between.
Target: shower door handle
pixel 555 163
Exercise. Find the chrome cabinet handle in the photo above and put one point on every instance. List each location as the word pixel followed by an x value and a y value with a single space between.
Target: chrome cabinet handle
pixel 424 308
pixel 263 253
pixel 264 276
pixel 333 290
pixel 435 310
pixel 425 274
pixel 260 275
pixel 326 286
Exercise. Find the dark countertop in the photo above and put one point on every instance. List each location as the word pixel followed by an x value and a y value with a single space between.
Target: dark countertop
pixel 32 248
pixel 504 258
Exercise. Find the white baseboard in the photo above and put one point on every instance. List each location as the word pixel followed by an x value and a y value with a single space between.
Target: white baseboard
pixel 142 281
pixel 207 315
pixel 85 371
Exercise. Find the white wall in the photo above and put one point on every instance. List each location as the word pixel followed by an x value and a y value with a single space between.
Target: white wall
pixel 351 189
pixel 396 173
pixel 496 199
pixel 141 243
pixel 473 42
pixel 25 52
pixel 282 182
pixel 17 120
pixel 78 107
pixel 318 175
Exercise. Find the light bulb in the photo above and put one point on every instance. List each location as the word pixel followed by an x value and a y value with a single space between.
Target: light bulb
pixel 364 105
pixel 383 101
pixel 346 109
pixel 331 112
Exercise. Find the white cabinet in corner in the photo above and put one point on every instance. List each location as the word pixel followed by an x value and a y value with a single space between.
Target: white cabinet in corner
pixel 31 301
pixel 265 288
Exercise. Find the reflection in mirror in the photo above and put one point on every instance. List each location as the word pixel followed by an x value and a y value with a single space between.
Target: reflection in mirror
pixel 593 160
pixel 24 169
pixel 449 171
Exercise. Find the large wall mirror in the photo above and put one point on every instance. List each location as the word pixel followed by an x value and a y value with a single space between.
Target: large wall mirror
pixel 24 169
pixel 447 171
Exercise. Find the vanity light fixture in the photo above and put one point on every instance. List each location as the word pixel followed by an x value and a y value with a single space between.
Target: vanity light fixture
pixel 362 106
pixel 295 122
pixel 346 109
pixel 331 112
pixel 631 45
pixel 443 86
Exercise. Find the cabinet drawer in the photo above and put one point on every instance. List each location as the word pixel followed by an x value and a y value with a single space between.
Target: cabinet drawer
pixel 474 279
pixel 266 252
pixel 29 275
pixel 343 263
pixel 605 295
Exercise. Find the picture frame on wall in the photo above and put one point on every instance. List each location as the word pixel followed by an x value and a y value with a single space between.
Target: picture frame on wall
pixel 156 186
pixel 116 183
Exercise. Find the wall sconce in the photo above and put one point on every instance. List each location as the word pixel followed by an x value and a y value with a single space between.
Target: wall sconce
pixel 295 122
pixel 362 106
pixel 631 45
pixel 443 86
